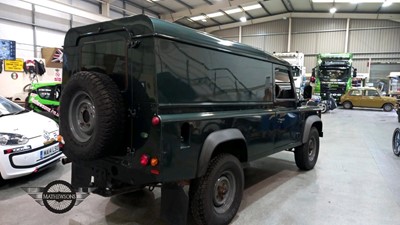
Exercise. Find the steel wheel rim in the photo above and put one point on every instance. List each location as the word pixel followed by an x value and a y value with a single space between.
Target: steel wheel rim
pixel 387 108
pixel 82 115
pixel 224 192
pixel 311 148
pixel 323 108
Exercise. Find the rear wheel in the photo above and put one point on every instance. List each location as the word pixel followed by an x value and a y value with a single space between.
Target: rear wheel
pixel 387 107
pixel 306 155
pixel 91 116
pixel 347 105
pixel 396 142
pixel 217 195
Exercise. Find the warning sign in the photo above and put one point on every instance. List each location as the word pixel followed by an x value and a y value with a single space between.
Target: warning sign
pixel 14 65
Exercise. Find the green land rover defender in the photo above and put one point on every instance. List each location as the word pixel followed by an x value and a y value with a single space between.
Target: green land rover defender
pixel 151 103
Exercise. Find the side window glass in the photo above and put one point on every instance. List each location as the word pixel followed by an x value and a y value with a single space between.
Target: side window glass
pixel 356 93
pixel 371 93
pixel 269 90
pixel 283 86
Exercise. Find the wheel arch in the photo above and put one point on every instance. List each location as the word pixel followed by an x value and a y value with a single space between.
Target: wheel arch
pixel 229 141
pixel 387 103
pixel 312 121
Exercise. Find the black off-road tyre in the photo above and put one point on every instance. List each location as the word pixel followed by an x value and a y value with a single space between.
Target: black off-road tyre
pixel 387 107
pixel 396 142
pixel 92 116
pixel 306 155
pixel 347 105
pixel 216 197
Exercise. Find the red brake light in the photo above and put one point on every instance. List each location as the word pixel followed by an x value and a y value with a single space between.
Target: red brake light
pixel 144 159
pixel 155 120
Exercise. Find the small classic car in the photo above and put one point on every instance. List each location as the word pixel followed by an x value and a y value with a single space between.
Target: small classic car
pixel 368 97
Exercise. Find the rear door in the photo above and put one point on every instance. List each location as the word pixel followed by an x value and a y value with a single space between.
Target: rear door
pixel 372 99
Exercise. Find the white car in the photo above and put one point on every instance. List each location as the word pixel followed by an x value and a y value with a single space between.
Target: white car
pixel 28 141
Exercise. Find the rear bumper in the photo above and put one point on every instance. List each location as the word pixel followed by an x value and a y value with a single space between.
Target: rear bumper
pixel 108 177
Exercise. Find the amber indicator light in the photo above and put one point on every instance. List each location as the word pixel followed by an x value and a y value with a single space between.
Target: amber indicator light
pixel 154 161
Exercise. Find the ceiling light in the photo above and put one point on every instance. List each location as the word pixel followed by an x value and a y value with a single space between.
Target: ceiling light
pixel 243 19
pixel 212 15
pixel 332 10
pixel 251 7
pixel 387 3
pixel 197 18
pixel 232 11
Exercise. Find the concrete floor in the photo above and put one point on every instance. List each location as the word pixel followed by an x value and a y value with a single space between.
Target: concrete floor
pixel 356 181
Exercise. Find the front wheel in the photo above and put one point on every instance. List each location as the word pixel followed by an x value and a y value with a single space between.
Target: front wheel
pixel 216 197
pixel 396 142
pixel 306 155
pixel 347 105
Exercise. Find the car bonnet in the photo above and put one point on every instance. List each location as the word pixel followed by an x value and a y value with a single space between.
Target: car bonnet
pixel 29 124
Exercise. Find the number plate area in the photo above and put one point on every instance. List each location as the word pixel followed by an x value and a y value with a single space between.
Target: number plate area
pixel 48 152
pixel 35 158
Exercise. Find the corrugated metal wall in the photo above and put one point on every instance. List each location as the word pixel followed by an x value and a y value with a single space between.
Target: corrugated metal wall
pixel 378 40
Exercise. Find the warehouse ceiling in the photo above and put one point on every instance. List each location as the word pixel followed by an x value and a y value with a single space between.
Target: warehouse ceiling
pixel 202 14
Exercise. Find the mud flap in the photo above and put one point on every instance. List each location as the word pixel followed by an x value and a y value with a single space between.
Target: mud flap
pixel 80 176
pixel 174 204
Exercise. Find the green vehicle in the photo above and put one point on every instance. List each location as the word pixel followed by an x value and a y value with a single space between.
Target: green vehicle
pixel 150 103
pixel 44 98
pixel 333 74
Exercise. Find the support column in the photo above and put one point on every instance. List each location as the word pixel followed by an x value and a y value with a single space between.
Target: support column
pixel 346 42
pixel 240 34
pixel 289 34
pixel 105 8
pixel 34 31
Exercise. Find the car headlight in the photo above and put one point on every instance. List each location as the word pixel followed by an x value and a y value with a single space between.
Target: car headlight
pixel 12 139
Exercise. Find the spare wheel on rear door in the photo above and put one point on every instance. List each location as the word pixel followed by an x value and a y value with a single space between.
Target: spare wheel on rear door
pixel 92 116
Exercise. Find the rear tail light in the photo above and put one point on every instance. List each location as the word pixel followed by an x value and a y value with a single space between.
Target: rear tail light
pixel 144 160
pixel 152 161
pixel 155 120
